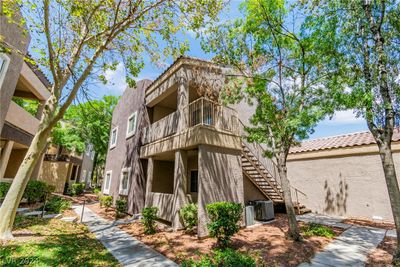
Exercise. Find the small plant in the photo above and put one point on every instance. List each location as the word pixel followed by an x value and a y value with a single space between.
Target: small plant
pixel 189 216
pixel 227 257
pixel 57 205
pixel 149 220
pixel 224 217
pixel 120 207
pixel 97 191
pixel 37 191
pixel 77 189
pixel 4 189
pixel 106 201
pixel 314 229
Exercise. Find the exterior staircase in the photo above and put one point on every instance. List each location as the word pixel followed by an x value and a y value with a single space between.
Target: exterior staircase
pixel 263 173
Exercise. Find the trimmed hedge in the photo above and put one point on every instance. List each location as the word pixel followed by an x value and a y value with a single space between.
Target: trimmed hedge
pixel 4 189
pixel 222 258
pixel 120 207
pixel 57 205
pixel 106 201
pixel 224 217
pixel 36 191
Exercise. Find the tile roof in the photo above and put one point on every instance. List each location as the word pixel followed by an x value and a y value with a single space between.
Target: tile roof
pixel 340 141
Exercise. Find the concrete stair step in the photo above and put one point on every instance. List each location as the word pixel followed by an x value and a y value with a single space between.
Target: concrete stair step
pixel 33 213
pixel 52 216
pixel 69 219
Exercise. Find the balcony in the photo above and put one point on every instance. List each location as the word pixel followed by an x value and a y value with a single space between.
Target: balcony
pixel 205 112
pixel 21 119
pixel 162 128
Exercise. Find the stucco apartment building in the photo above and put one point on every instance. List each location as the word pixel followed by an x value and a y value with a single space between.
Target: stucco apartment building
pixel 62 167
pixel 170 144
pixel 343 175
pixel 18 78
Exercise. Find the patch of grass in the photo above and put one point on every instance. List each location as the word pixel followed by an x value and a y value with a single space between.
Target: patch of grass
pixel 314 229
pixel 41 242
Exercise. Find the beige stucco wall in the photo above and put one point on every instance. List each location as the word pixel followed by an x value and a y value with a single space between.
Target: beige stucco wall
pixel 160 112
pixel 163 181
pixel 347 185
pixel 251 192
pixel 54 173
pixel 220 179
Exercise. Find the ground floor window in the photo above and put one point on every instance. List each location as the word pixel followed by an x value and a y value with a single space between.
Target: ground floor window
pixel 124 182
pixel 107 182
pixel 194 181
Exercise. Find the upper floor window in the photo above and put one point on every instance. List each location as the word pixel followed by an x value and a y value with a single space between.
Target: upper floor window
pixel 107 182
pixel 124 182
pixel 131 127
pixel 113 139
pixel 4 61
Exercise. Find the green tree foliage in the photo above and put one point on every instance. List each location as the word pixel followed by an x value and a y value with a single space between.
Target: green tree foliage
pixel 275 68
pixel 358 45
pixel 30 105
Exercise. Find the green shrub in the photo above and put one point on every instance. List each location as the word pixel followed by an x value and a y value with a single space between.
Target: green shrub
pixel 77 189
pixel 57 205
pixel 36 191
pixel 97 191
pixel 314 229
pixel 4 186
pixel 106 201
pixel 189 216
pixel 224 217
pixel 120 207
pixel 222 258
pixel 149 220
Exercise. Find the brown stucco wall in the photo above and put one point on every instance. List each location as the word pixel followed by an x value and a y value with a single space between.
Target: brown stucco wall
pixel 16 157
pixel 14 36
pixel 163 180
pixel 347 185
pixel 126 152
pixel 220 179
pixel 55 173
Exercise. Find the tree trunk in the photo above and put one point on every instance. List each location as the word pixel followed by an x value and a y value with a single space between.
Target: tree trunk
pixel 11 202
pixel 293 232
pixel 389 170
pixel 13 198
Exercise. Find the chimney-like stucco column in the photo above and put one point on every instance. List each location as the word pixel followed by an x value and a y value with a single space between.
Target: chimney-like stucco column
pixel 149 182
pixel 180 182
pixel 4 158
pixel 183 101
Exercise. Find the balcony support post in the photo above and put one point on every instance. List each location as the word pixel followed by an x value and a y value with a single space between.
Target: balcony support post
pixel 149 182
pixel 180 184
pixel 183 101
pixel 5 157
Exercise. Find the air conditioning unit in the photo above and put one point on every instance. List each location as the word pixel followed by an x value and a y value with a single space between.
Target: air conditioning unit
pixel 264 210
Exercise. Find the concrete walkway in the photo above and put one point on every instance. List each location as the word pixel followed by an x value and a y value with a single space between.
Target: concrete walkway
pixel 126 249
pixel 351 248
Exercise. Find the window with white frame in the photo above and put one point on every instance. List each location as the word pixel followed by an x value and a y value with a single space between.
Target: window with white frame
pixel 107 182
pixel 113 139
pixel 131 127
pixel 124 181
pixel 4 62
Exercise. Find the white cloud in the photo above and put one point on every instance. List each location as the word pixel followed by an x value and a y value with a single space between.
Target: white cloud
pixel 116 79
pixel 343 117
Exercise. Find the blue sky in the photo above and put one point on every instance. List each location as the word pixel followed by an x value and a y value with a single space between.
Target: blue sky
pixel 342 122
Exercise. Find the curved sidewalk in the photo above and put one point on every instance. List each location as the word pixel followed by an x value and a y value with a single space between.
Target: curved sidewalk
pixel 125 248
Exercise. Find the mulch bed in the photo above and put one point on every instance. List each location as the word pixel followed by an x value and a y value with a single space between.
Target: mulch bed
pixel 266 243
pixel 383 254
pixel 383 225
pixel 108 215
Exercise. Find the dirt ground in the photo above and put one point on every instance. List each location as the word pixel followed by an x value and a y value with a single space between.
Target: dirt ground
pixel 266 243
pixel 383 225
pixel 383 254
pixel 108 215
